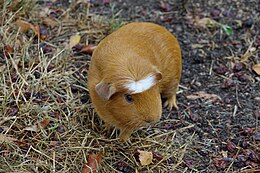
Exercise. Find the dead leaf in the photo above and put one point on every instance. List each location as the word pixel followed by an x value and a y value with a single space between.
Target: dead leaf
pixel 203 95
pixel 88 49
pixel 94 161
pixel 145 157
pixel 25 26
pixel 32 128
pixel 74 40
pixel 256 68
pixel 44 123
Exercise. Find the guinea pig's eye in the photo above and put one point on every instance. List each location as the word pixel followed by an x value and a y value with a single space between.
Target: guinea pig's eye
pixel 129 98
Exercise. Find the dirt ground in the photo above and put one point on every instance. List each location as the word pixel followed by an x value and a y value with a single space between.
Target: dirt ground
pixel 216 128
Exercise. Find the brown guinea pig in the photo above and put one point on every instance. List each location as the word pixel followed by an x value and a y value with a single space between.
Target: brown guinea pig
pixel 129 70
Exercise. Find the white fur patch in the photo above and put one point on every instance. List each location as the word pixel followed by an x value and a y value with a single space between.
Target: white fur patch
pixel 141 85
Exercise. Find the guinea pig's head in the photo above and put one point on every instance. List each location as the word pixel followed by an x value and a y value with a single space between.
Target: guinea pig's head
pixel 130 103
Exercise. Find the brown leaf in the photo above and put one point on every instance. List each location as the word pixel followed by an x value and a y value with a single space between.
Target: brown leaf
pixel 145 157
pixel 94 161
pixel 203 95
pixel 88 49
pixel 25 26
pixel 44 123
pixel 256 68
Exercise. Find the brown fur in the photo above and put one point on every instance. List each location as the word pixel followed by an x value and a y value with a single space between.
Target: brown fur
pixel 131 53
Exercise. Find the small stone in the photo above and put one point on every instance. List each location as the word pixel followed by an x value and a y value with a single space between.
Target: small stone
pixel 249 22
pixel 197 83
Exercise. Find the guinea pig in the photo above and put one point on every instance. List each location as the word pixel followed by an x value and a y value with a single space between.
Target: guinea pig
pixel 129 72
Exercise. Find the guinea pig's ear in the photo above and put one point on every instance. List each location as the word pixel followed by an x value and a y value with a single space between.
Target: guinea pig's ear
pixel 105 90
pixel 158 75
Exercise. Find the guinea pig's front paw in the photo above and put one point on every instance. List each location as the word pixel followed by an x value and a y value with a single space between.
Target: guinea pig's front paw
pixel 125 135
pixel 171 102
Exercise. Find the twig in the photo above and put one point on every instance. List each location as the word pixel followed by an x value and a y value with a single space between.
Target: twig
pixel 237 98
pixel 235 111
pixel 211 67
